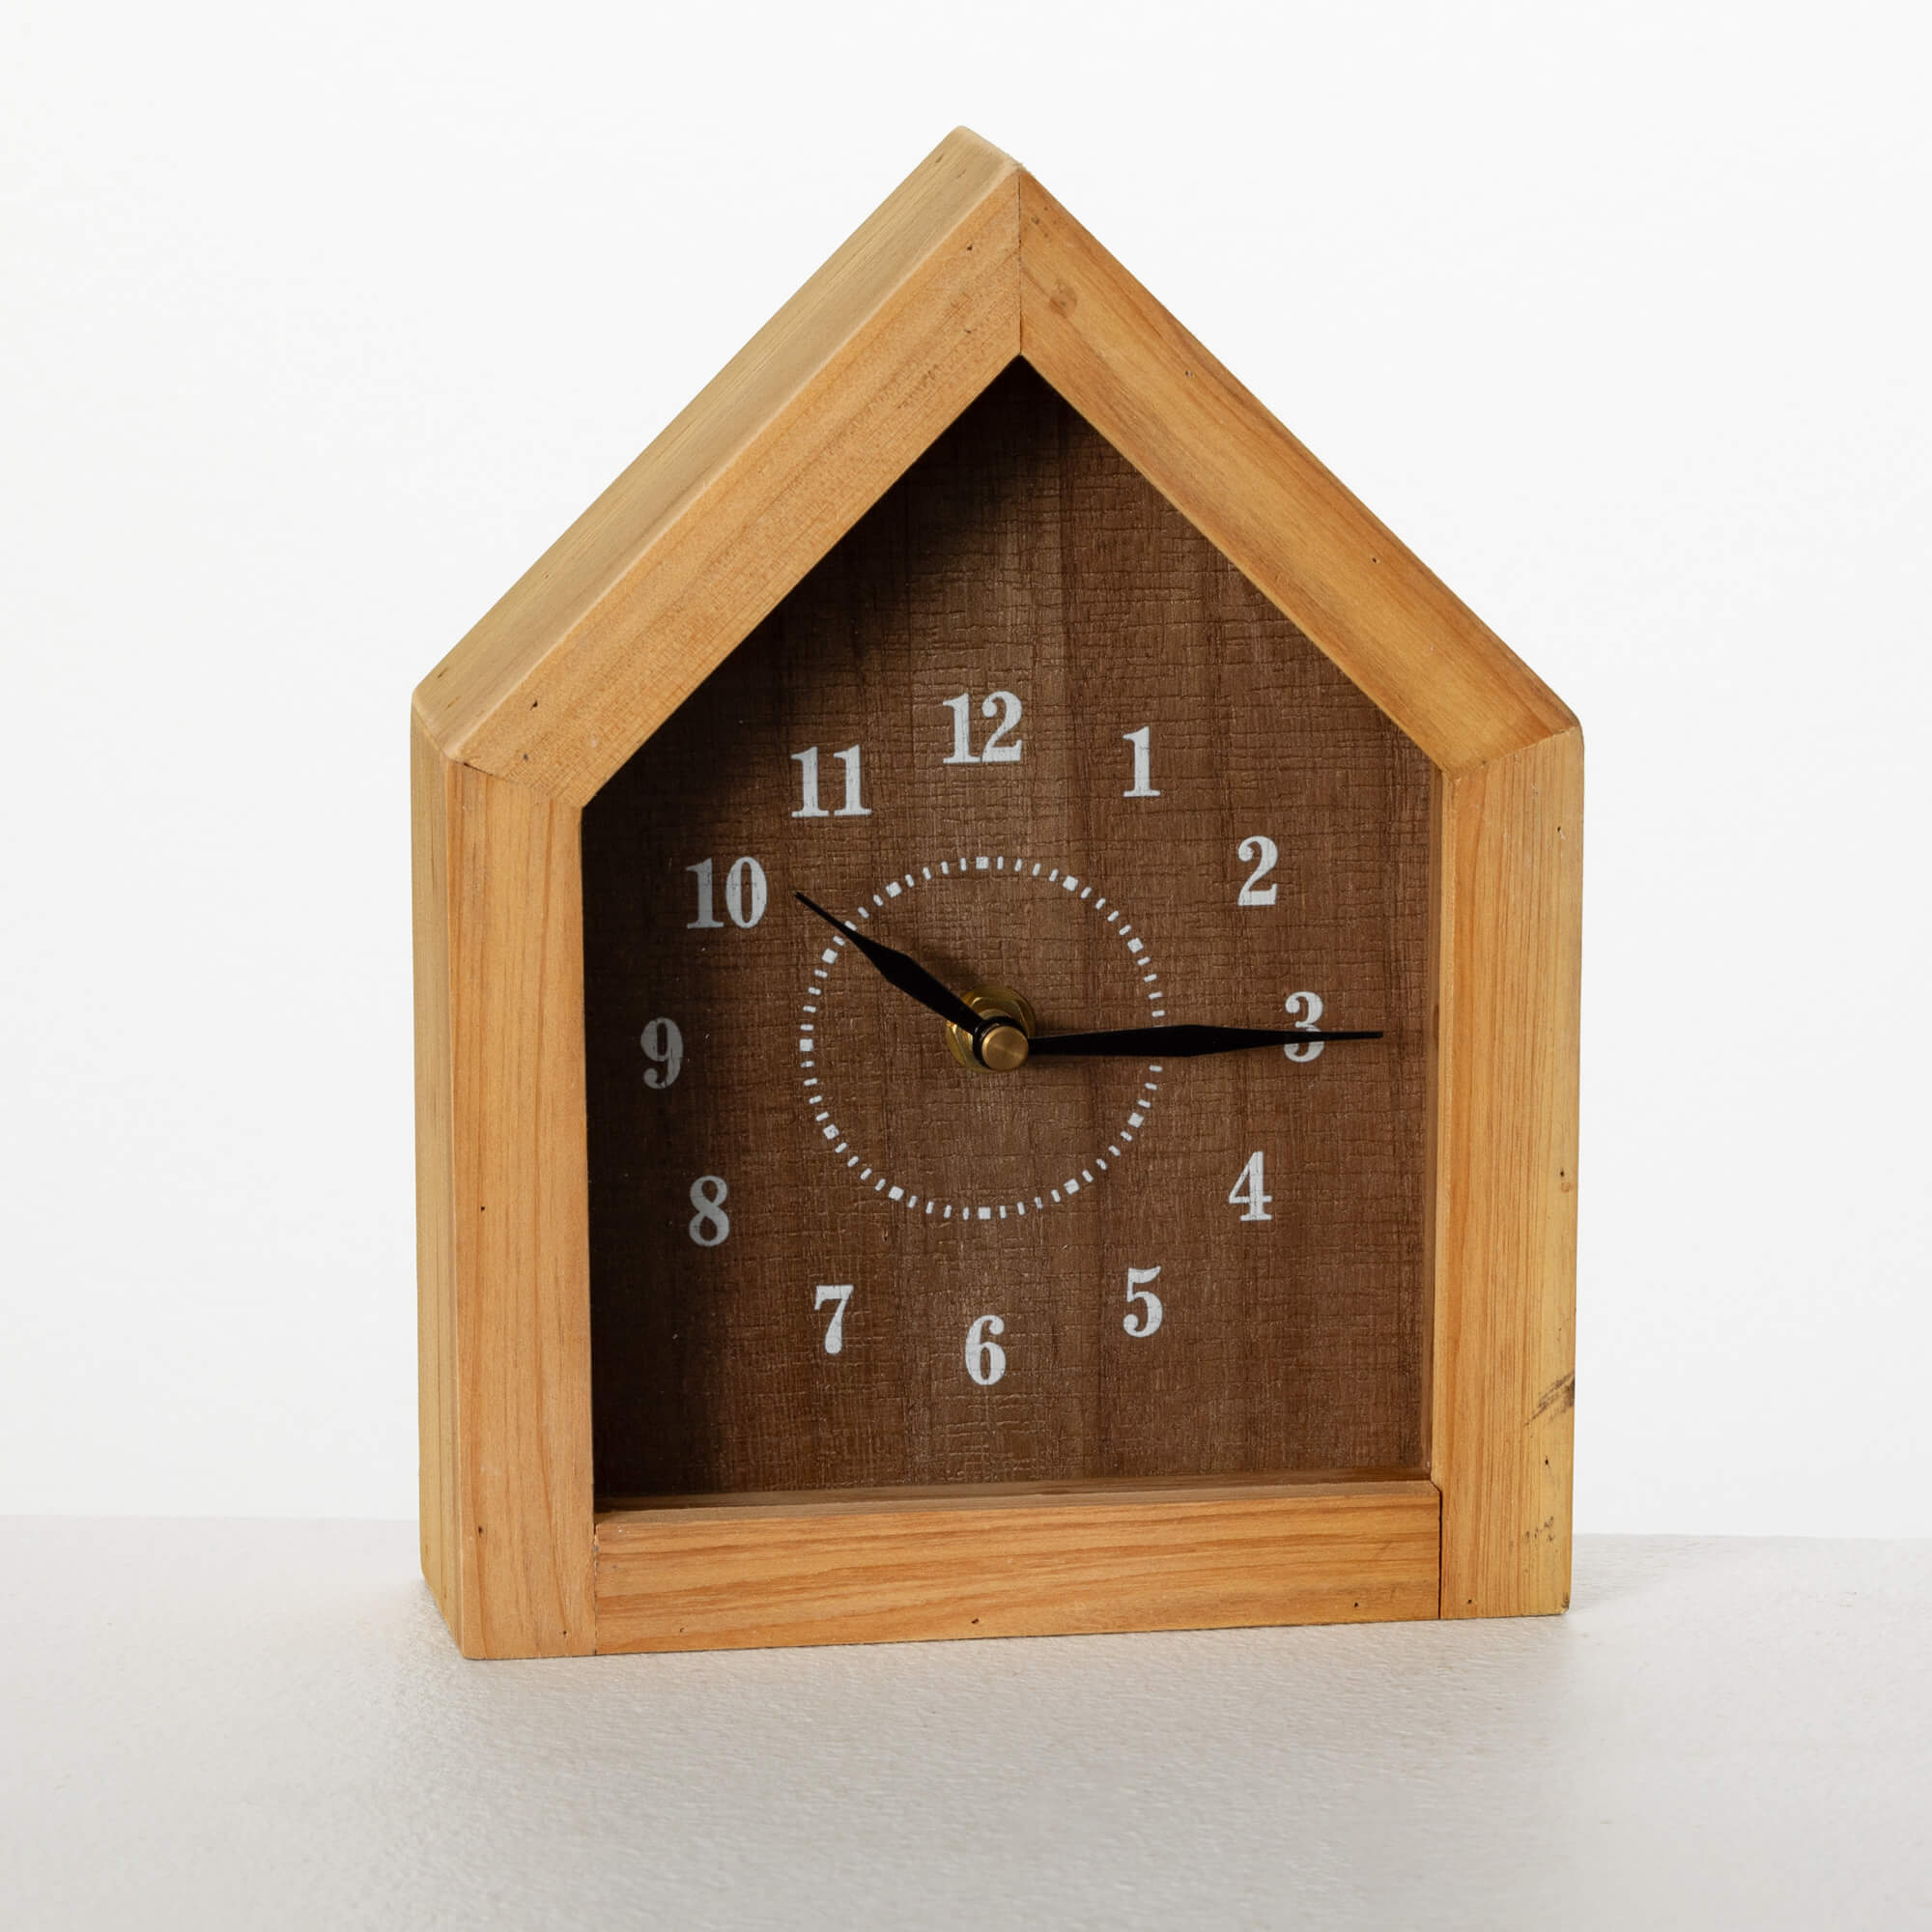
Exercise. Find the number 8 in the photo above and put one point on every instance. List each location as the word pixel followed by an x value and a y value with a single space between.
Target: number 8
pixel 711 1214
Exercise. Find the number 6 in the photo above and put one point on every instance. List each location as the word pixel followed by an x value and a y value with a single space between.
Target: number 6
pixel 985 1361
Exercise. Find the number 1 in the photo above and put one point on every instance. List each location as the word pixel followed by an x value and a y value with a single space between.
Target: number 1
pixel 1140 740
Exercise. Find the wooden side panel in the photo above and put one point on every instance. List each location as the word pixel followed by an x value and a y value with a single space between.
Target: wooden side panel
pixel 429 791
pixel 743 1577
pixel 1506 1201
pixel 768 466
pixel 1227 464
pixel 503 1242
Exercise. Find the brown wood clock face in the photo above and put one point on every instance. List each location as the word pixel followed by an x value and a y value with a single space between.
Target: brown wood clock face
pixel 1029 726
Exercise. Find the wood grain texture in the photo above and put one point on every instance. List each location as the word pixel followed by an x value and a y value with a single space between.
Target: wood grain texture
pixel 1506 1177
pixel 504 1288
pixel 737 1576
pixel 968 263
pixel 1446 679
pixel 757 478
pixel 430 815
pixel 1020 553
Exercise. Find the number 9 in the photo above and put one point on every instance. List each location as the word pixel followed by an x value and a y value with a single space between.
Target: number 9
pixel 664 1044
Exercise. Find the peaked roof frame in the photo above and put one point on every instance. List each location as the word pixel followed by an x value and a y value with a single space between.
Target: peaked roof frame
pixel 969 264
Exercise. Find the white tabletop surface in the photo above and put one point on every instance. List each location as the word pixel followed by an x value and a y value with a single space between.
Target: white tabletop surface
pixel 217 1724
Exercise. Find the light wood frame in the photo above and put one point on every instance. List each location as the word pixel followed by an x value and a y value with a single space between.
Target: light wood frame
pixel 967 265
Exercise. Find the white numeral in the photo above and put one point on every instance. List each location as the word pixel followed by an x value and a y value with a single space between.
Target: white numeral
pixel 710 1225
pixel 1136 1322
pixel 1002 705
pixel 985 1361
pixel 664 1044
pixel 744 895
pixel 1251 850
pixel 812 808
pixel 1140 740
pixel 834 1334
pixel 1247 1193
pixel 745 880
pixel 1304 1009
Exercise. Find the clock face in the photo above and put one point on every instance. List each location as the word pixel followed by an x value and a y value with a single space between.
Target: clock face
pixel 1026 726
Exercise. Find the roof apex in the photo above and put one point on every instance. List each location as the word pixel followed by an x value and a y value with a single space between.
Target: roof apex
pixel 968 264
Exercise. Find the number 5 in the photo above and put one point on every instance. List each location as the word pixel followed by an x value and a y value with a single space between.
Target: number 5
pixel 1135 1322
pixel 834 1334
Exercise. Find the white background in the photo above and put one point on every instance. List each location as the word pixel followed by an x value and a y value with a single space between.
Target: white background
pixel 318 324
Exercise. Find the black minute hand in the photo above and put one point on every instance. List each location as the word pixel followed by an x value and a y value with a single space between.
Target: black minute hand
pixel 1178 1042
pixel 904 972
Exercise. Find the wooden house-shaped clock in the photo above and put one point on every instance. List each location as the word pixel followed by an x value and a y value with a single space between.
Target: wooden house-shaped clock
pixel 996 1009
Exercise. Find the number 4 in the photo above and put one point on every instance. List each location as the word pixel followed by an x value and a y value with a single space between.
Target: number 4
pixel 834 1334
pixel 1247 1191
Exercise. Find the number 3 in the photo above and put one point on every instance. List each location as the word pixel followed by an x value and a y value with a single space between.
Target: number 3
pixel 1304 1009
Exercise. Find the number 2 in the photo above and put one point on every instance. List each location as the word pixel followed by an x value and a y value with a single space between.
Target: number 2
pixel 834 1334
pixel 1261 853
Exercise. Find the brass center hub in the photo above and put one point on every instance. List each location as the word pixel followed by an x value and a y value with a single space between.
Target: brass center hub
pixel 1001 1046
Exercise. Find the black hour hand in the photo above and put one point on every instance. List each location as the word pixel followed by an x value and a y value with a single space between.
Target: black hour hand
pixel 903 972
pixel 1178 1042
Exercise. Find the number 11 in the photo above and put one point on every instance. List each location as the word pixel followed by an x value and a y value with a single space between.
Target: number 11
pixel 811 807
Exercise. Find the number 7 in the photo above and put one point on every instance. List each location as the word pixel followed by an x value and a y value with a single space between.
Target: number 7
pixel 834 1334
